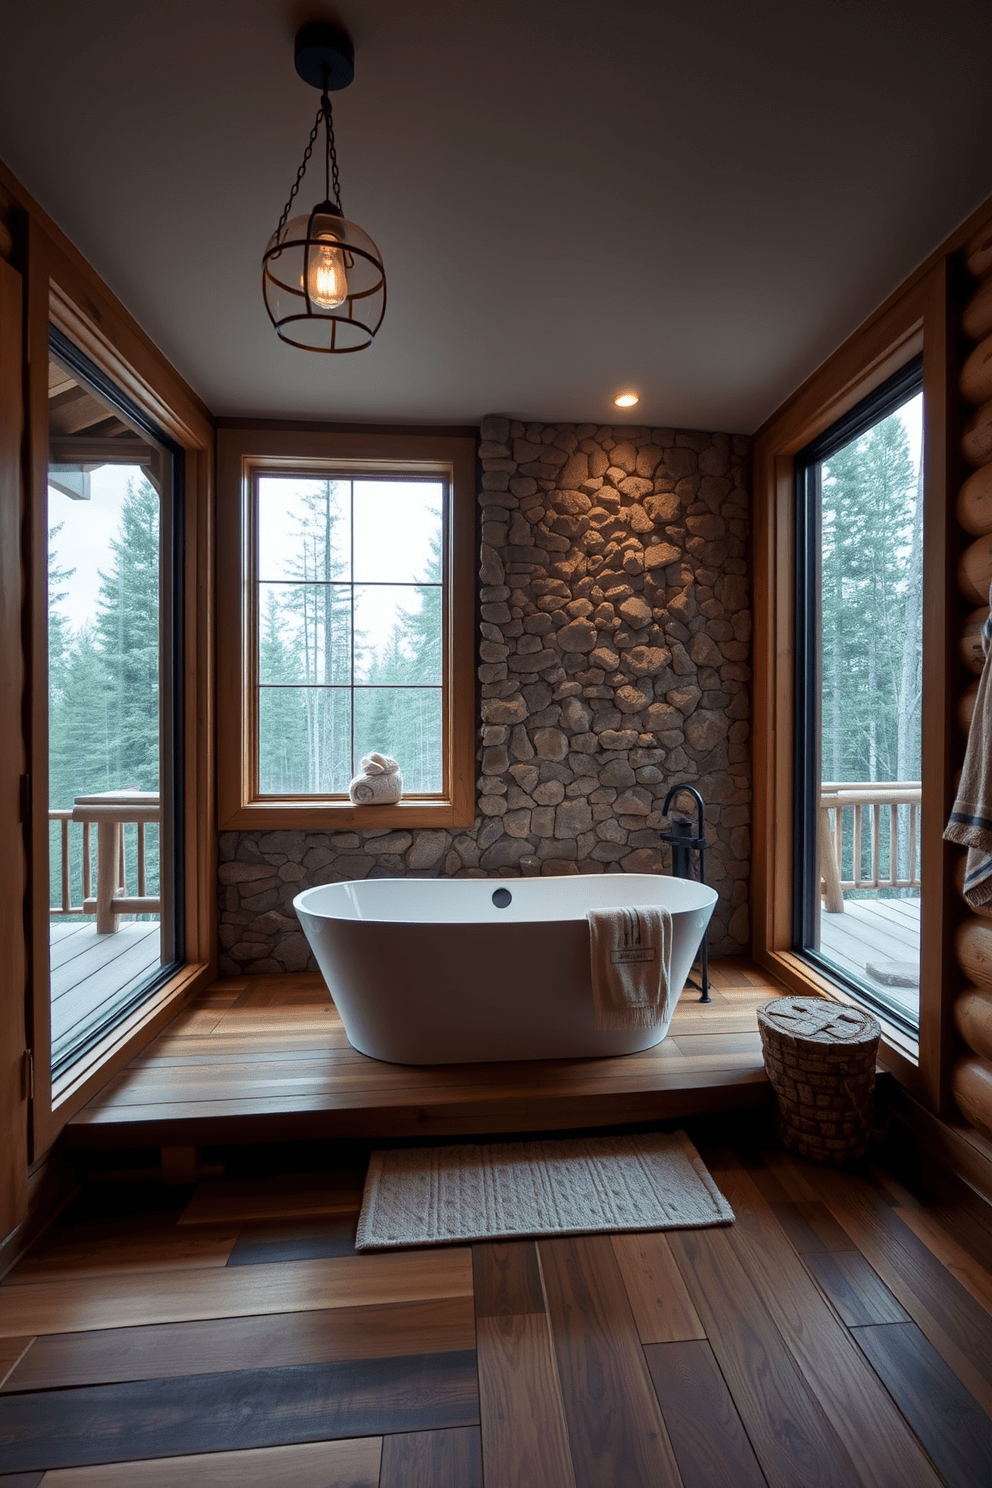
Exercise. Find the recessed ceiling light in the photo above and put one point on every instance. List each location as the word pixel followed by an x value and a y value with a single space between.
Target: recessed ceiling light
pixel 626 400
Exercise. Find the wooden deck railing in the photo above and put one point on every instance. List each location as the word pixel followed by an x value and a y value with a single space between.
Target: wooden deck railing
pixel 109 812
pixel 859 808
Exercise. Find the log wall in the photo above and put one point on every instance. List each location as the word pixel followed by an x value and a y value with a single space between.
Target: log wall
pixel 971 1079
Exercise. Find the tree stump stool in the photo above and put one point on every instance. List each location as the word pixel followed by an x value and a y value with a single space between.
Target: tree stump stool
pixel 820 1060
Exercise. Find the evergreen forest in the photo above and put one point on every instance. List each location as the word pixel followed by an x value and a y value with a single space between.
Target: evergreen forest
pixel 345 668
pixel 872 610
pixel 103 679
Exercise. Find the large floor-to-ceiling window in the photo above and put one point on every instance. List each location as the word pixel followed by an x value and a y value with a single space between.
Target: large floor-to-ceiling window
pixel 113 514
pixel 859 698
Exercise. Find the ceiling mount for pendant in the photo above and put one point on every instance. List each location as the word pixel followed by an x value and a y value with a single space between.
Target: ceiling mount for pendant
pixel 325 57
pixel 322 277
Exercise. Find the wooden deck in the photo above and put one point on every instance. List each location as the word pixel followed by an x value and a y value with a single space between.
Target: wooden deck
pixel 883 934
pixel 93 975
pixel 266 1059
pixel 837 1335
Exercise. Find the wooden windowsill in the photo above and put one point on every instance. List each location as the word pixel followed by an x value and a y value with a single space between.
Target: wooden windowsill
pixel 119 1044
pixel 342 816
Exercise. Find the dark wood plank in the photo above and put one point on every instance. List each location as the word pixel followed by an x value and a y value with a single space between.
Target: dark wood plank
pixel 955 1431
pixel 616 1430
pixel 956 1258
pixel 173 1350
pixel 663 1311
pixel 787 1429
pixel 967 1229
pixel 123 1245
pixel 810 1226
pixel 507 1279
pixel 297 1241
pixel 767 1184
pixel 524 1436
pixel 432 1459
pixel 246 1408
pixel 711 1445
pixel 350 1463
pixel 222 1292
pixel 858 1294
pixel 284 1197
pixel 855 1405
pixel 11 1351
pixel 958 1326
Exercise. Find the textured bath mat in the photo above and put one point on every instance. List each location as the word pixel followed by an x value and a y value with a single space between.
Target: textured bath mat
pixel 447 1195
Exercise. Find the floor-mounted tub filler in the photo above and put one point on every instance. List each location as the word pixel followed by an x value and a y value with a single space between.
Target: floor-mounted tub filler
pixel 446 971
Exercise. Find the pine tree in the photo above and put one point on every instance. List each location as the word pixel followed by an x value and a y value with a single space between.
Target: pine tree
pixel 322 610
pixel 399 713
pixel 59 629
pixel 866 534
pixel 127 629
pixel 282 718
pixel 82 745
pixel 871 597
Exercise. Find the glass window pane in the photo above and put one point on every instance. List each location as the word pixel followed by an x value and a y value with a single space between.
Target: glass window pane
pixel 304 529
pixel 398 531
pixel 404 722
pixel 869 614
pixel 304 634
pixel 304 741
pixel 110 609
pixel 398 634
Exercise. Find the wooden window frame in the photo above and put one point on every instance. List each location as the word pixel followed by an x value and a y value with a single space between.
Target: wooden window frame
pixel 915 320
pixel 242 454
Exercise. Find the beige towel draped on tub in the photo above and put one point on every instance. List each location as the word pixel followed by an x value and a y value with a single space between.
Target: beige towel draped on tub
pixel 630 961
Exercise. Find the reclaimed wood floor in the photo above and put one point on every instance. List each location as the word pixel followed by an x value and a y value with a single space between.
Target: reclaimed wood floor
pixel 838 1334
pixel 266 1059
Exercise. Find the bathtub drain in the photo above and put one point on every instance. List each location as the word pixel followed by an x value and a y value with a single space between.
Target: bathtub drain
pixel 501 898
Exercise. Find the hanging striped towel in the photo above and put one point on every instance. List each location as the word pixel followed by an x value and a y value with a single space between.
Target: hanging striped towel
pixel 970 822
pixel 630 962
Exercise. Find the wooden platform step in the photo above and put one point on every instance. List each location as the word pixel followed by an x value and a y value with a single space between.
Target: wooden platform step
pixel 266 1059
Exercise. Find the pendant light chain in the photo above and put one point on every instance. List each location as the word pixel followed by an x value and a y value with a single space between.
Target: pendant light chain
pixel 331 175
pixel 331 169
pixel 301 172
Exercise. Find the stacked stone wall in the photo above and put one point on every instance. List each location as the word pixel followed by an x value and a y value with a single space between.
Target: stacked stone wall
pixel 614 662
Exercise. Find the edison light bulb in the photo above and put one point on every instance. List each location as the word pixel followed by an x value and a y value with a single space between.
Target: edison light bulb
pixel 327 282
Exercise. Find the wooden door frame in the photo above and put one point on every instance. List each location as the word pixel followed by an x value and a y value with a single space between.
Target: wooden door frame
pixel 916 320
pixel 14 1074
pixel 62 290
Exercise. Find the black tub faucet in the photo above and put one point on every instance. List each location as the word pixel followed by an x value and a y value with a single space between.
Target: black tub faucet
pixel 684 843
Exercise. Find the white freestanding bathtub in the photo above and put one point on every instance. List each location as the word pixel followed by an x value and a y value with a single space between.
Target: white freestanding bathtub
pixel 444 971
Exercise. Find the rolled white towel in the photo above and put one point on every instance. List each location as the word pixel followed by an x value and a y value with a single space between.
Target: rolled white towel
pixel 380 782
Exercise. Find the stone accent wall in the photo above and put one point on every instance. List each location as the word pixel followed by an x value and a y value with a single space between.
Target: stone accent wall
pixel 614 663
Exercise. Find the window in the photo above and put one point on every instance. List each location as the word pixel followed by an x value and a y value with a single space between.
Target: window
pixel 348 618
pixel 859 699
pixel 355 630
pixel 114 529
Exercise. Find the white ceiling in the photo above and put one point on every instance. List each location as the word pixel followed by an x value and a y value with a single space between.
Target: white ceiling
pixel 699 198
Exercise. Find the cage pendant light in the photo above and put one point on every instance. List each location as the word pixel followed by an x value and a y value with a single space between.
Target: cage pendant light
pixel 322 277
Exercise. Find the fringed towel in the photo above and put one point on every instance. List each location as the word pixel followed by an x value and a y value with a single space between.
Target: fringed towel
pixel 630 961
pixel 970 823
